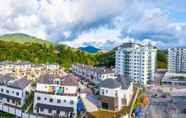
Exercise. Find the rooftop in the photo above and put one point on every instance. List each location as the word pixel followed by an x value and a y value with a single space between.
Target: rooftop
pixel 135 45
pixel 130 45
pixel 47 79
pixel 115 83
pixel 5 78
pixel 19 83
pixel 110 83
pixel 84 66
pixel 104 70
pixel 10 81
pixel 100 70
pixel 69 80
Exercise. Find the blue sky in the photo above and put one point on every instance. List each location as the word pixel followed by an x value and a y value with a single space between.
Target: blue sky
pixel 100 23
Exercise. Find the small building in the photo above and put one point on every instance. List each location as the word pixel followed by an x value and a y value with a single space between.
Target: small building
pixel 93 73
pixel 56 96
pixel 14 91
pixel 115 93
pixel 32 71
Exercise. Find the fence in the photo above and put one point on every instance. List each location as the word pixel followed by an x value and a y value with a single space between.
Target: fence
pixel 17 112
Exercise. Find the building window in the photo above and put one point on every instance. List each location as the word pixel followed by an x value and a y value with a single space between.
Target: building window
pixel 64 101
pixel 17 93
pixel 7 91
pixel 2 90
pixel 58 111
pixel 58 101
pixel 45 98
pixel 71 102
pixel 49 111
pixel 41 109
pixel 19 102
pixel 116 93
pixel 51 100
pixel 38 98
pixel 102 92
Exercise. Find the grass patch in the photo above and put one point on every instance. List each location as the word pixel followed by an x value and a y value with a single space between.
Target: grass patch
pixel 108 114
pixel 6 115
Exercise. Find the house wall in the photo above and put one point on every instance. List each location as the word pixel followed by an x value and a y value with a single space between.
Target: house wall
pixel 65 101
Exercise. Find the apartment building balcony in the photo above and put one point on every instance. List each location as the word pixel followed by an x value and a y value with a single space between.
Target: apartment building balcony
pixel 53 93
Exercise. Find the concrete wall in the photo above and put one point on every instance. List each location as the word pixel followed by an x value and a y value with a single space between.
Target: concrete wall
pixel 17 112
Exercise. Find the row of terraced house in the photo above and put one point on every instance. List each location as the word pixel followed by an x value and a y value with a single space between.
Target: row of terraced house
pixel 54 95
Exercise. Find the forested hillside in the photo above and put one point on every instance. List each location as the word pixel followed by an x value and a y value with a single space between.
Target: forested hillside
pixel 38 53
pixel 23 38
pixel 23 47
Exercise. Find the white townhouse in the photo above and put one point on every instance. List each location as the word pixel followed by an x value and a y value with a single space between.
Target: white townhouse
pixel 26 66
pixel 14 91
pixel 56 96
pixel 177 60
pixel 32 71
pixel 13 66
pixel 52 67
pixel 93 73
pixel 136 62
pixel 115 93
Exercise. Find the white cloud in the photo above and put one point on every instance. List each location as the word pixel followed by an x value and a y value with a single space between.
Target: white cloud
pixel 69 13
pixel 11 8
pixel 82 22
pixel 97 37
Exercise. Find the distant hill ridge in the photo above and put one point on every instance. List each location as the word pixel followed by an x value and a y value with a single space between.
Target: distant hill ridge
pixel 90 49
pixel 62 54
pixel 23 38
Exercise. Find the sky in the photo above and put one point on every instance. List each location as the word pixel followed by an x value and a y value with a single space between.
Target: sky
pixel 100 23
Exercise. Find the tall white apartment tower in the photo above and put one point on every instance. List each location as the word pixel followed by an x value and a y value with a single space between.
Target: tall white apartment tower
pixel 177 60
pixel 136 62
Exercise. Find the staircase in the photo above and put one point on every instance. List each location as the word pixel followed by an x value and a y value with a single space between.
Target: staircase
pixel 133 101
pixel 89 106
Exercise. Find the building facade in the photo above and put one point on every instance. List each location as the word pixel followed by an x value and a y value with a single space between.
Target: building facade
pixel 14 92
pixel 92 73
pixel 115 93
pixel 177 60
pixel 56 96
pixel 32 71
pixel 136 62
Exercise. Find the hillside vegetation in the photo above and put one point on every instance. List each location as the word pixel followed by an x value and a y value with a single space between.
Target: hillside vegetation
pixel 38 53
pixel 23 38
pixel 23 47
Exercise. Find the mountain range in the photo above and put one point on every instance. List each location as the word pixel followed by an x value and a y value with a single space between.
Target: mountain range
pixel 90 49
pixel 23 38
pixel 36 50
